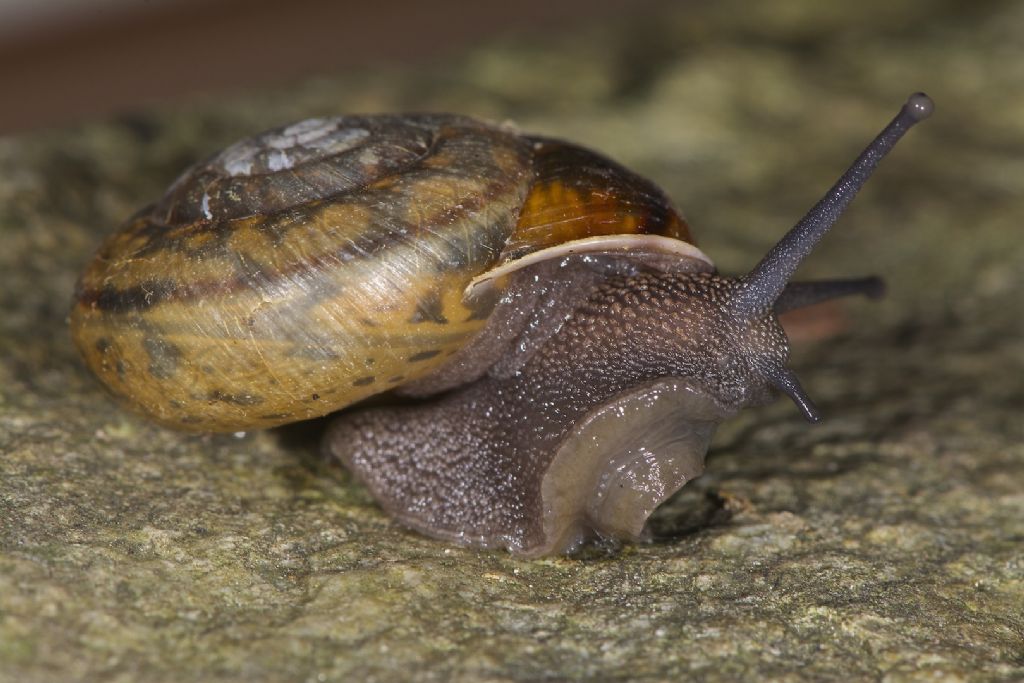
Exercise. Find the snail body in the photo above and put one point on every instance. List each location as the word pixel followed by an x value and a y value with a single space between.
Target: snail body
pixel 569 349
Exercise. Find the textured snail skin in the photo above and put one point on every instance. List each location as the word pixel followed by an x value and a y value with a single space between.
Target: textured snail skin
pixel 563 350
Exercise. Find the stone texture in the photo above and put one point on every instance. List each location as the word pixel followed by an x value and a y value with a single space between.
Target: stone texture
pixel 886 543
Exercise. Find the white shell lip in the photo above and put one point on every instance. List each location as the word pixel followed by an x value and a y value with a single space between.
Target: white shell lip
pixel 601 244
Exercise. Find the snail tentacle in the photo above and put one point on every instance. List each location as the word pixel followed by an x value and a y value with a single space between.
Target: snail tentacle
pixel 763 285
pixel 802 294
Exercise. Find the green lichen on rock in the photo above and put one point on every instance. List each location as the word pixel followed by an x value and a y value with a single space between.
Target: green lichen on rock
pixel 886 543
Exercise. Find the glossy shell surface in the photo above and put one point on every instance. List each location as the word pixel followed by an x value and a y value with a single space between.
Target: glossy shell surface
pixel 307 268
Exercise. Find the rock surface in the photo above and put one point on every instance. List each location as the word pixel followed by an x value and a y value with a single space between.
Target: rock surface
pixel 886 543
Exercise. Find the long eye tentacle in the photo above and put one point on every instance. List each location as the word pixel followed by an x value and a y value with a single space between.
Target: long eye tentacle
pixel 763 285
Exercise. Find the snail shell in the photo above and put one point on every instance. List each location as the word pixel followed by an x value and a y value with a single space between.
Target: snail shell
pixel 305 269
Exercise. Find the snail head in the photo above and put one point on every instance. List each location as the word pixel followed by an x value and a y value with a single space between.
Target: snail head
pixel 767 288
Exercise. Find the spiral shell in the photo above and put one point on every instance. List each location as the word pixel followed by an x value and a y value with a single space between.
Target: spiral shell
pixel 304 269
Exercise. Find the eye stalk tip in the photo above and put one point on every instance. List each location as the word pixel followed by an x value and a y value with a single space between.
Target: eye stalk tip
pixel 919 106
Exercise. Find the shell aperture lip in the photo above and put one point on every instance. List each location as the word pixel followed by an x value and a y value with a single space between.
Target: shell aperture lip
pixel 689 257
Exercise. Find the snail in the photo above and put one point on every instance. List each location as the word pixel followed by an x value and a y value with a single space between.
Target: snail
pixel 562 349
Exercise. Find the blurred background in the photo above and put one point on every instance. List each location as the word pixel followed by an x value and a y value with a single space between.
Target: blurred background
pixel 63 60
